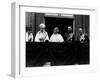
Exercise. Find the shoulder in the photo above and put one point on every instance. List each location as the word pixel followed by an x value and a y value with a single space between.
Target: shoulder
pixel 60 35
pixel 52 35
pixel 38 32
pixel 26 33
pixel 45 32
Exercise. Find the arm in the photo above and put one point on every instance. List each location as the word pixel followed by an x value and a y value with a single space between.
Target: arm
pixel 61 38
pixel 27 37
pixel 47 37
pixel 31 37
pixel 37 38
pixel 51 38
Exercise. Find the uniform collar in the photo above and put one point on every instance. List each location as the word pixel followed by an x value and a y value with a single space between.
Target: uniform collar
pixel 42 32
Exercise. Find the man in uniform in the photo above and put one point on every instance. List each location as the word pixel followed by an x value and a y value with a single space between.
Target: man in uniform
pixel 56 37
pixel 83 38
pixel 69 36
pixel 42 35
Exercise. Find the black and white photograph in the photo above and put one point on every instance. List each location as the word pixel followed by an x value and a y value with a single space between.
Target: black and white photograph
pixel 56 39
pixel 53 40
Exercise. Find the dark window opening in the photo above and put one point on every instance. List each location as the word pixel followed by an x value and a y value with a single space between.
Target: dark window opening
pixel 61 23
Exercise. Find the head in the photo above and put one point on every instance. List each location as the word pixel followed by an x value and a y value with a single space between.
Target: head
pixel 80 30
pixel 29 32
pixel 56 30
pixel 42 27
pixel 69 28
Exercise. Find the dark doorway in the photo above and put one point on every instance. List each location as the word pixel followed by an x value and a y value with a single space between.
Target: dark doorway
pixel 61 23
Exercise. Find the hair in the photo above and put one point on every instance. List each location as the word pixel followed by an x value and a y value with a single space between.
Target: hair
pixel 42 24
pixel 80 28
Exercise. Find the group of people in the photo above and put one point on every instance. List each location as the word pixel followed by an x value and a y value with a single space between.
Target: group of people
pixel 42 35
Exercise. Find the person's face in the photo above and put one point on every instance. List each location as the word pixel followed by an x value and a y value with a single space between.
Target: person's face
pixel 80 30
pixel 42 29
pixel 56 30
pixel 69 29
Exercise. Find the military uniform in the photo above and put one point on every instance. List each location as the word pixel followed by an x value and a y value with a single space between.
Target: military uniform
pixel 83 38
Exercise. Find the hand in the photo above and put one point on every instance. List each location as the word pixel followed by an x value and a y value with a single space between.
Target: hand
pixel 41 40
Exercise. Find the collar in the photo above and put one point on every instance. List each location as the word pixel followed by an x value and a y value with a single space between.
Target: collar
pixel 42 32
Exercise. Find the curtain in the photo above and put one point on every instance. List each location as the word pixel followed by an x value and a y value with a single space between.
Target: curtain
pixel 37 54
pixel 33 20
pixel 39 18
pixel 81 21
